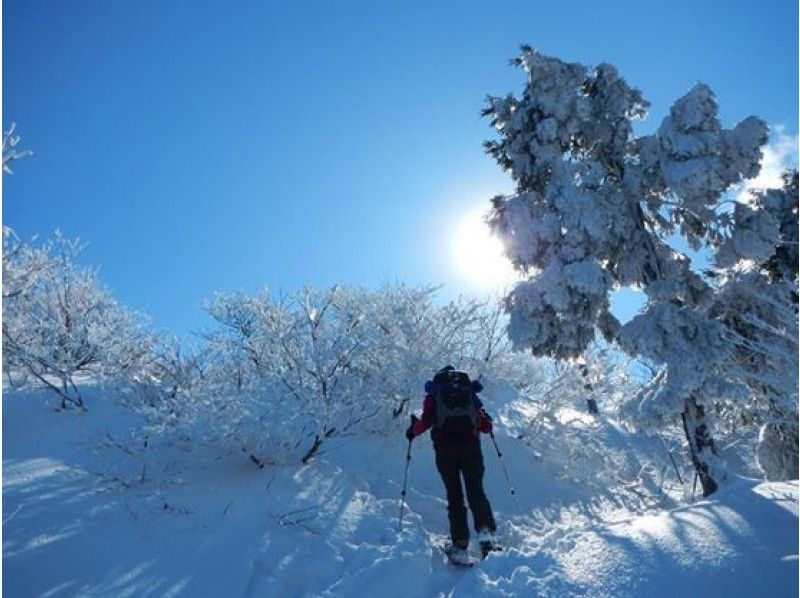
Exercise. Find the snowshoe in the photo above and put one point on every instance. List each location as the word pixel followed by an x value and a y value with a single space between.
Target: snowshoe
pixel 488 543
pixel 458 557
pixel 489 547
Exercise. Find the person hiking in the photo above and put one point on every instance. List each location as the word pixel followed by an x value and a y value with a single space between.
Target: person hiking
pixel 455 414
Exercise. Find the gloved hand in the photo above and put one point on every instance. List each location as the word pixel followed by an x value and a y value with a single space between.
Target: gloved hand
pixel 410 431
pixel 485 425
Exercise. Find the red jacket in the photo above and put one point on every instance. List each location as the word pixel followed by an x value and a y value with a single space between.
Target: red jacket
pixel 429 414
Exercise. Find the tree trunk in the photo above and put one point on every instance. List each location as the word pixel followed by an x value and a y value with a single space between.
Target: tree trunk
pixel 317 443
pixel 258 462
pixel 591 402
pixel 312 451
pixel 701 444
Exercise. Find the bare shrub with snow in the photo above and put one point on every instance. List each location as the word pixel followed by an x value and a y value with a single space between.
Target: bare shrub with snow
pixel 282 375
pixel 580 446
pixel 278 376
pixel 60 324
pixel 307 359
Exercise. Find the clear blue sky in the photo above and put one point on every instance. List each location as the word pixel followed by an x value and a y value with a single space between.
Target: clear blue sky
pixel 201 146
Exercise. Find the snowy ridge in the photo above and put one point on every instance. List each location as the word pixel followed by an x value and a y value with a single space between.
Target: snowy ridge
pixel 79 520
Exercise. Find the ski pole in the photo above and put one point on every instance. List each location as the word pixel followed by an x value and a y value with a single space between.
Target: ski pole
pixel 505 471
pixel 403 492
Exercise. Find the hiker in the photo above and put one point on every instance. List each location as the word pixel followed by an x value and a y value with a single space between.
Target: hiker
pixel 455 413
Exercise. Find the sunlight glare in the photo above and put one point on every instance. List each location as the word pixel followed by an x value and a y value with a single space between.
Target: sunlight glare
pixel 478 255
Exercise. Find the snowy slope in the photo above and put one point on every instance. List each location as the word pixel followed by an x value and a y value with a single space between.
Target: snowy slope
pixel 78 520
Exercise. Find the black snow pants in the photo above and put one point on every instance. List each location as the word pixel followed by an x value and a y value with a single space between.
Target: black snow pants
pixel 453 462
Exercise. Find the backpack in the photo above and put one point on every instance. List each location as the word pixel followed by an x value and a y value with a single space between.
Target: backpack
pixel 455 408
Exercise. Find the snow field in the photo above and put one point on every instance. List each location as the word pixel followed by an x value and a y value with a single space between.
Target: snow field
pixel 79 522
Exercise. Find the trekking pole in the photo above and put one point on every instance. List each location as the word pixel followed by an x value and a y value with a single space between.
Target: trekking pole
pixel 403 492
pixel 505 471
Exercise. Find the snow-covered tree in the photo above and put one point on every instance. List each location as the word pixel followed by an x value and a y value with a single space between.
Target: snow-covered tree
pixel 59 323
pixel 278 376
pixel 10 151
pixel 757 302
pixel 412 337
pixel 171 376
pixel 21 262
pixel 597 209
pixel 782 205
pixel 23 265
pixel 301 361
pixel 489 344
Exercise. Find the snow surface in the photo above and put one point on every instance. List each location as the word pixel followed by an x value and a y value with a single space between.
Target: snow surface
pixel 78 521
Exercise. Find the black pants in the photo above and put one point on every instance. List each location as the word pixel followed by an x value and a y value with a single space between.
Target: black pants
pixel 453 462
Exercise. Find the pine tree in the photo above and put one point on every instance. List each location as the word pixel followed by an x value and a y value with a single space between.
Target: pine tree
pixel 596 208
pixel 757 301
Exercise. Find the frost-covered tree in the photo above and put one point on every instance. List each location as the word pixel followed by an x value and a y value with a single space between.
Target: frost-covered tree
pixel 23 265
pixel 10 151
pixel 595 210
pixel 489 341
pixel 548 416
pixel 322 362
pixel 757 302
pixel 59 323
pixel 782 205
pixel 305 352
pixel 172 374
pixel 412 337
pixel 21 262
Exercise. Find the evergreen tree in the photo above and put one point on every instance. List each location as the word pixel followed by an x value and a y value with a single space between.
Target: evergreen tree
pixel 597 208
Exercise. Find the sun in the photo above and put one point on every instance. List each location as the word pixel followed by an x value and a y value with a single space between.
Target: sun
pixel 478 255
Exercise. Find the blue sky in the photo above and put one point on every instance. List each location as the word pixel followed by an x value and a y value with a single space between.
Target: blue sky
pixel 203 146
